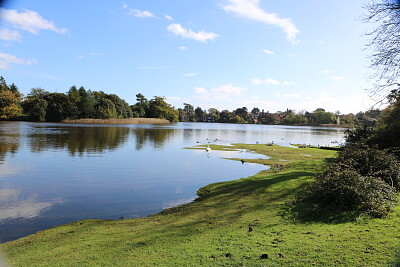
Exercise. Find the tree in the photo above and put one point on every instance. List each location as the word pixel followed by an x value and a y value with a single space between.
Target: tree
pixel 242 112
pixel 74 99
pixel 199 112
pixel 385 43
pixel 388 131
pixel 141 107
pixel 57 109
pixel 214 114
pixel 10 100
pixel 37 110
pixel 225 116
pixel 189 112
pixel 236 119
pixel 321 117
pixel 255 111
pixel 158 108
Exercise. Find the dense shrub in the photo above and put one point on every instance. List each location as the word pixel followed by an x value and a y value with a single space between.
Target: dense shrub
pixel 371 161
pixel 344 189
pixel 363 179
pixel 358 135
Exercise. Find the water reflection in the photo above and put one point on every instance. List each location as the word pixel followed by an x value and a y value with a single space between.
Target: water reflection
pixel 13 205
pixel 77 140
pixel 9 140
pixel 8 169
pixel 156 137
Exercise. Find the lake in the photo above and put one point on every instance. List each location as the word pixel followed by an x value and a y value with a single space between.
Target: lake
pixel 52 174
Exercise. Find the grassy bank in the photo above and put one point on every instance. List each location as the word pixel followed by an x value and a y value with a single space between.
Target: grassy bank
pixel 119 121
pixel 236 223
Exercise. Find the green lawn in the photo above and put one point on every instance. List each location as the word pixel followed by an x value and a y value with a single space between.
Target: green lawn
pixel 236 223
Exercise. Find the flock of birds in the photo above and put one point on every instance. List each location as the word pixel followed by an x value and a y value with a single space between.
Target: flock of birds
pixel 208 148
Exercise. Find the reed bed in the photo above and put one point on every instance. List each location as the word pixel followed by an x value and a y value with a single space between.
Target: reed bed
pixel 119 121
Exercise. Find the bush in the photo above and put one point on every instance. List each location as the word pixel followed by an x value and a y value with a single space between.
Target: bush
pixel 363 179
pixel 342 189
pixel 370 161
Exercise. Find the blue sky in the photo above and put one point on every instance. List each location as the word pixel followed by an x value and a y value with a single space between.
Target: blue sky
pixel 224 54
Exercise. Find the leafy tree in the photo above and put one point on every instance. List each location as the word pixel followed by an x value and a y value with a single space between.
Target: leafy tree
pixel 122 108
pixel 105 108
pixel 322 117
pixel 214 113
pixel 242 112
pixel 225 116
pixel 37 110
pixel 87 103
pixel 199 112
pixel 141 107
pixel 255 111
pixel 295 119
pixel 74 98
pixel 35 105
pixel 57 108
pixel 189 111
pixel 158 108
pixel 10 100
pixel 236 119
pixel 388 132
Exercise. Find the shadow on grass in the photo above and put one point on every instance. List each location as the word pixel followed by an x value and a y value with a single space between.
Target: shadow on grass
pixel 311 213
pixel 396 262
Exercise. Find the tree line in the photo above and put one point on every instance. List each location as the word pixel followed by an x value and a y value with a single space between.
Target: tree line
pixel 290 117
pixel 78 103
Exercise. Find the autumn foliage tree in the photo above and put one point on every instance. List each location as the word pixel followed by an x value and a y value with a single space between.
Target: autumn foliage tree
pixel 10 99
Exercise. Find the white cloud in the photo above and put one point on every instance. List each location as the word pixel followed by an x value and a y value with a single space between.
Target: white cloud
pixel 287 83
pixel 201 91
pixel 324 71
pixel 17 207
pixel 337 78
pixel 183 48
pixel 269 52
pixel 271 81
pixel 258 81
pixel 29 20
pixel 10 35
pixel 94 54
pixel 168 17
pixel 141 13
pixel 288 95
pixel 250 9
pixel 190 74
pixel 137 12
pixel 223 92
pixel 6 60
pixel 228 90
pixel 201 36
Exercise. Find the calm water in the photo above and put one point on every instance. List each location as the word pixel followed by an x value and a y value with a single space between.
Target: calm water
pixel 52 174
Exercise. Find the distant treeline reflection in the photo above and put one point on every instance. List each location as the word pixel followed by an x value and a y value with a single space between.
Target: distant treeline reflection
pixel 93 140
pixel 9 142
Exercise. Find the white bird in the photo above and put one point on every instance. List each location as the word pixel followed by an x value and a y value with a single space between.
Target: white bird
pixel 208 149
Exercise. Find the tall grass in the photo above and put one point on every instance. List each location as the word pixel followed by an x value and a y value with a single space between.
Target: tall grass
pixel 119 121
